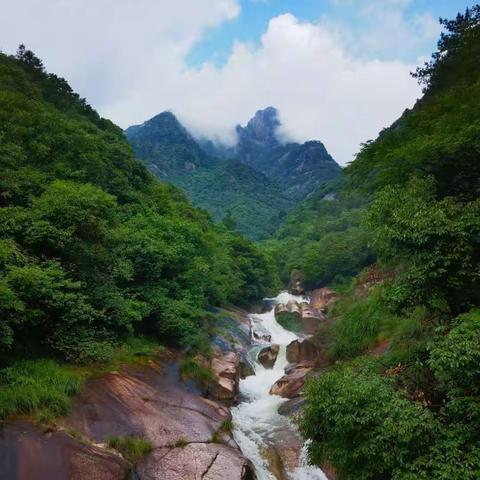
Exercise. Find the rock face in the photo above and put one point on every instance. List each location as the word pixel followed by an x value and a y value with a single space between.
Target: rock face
pixel 195 462
pixel 311 318
pixel 291 384
pixel 322 299
pixel 258 332
pixel 291 308
pixel 28 454
pixel 302 351
pixel 268 355
pixel 291 406
pixel 226 373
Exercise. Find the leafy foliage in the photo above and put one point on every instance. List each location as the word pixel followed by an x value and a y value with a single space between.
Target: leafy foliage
pixel 93 249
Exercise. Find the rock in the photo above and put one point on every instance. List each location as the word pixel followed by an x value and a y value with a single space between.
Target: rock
pixel 296 285
pixel 291 406
pixel 311 318
pixel 329 471
pixel 259 332
pixel 147 401
pixel 268 356
pixel 291 384
pixel 322 299
pixel 26 453
pixel 226 377
pixel 195 461
pixel 246 369
pixel 302 350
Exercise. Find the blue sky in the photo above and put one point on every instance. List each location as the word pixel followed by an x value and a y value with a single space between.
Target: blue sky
pixel 254 16
pixel 337 70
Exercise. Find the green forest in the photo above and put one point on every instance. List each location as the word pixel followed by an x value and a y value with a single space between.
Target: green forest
pixel 94 251
pixel 101 262
pixel 399 397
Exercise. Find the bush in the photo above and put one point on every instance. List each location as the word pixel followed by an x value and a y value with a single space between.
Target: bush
pixel 358 422
pixel 132 448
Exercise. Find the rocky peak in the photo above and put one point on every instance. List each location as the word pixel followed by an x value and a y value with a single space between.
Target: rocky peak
pixel 262 127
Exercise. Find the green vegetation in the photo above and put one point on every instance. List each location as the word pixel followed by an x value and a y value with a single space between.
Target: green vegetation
pixel 41 385
pixel 192 369
pixel 132 448
pixel 402 399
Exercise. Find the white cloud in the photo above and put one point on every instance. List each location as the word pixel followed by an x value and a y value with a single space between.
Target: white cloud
pixel 128 58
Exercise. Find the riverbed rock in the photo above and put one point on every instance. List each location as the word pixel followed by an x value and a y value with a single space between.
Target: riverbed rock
pixel 246 368
pixel 311 318
pixel 302 350
pixel 226 376
pixel 322 299
pixel 291 384
pixel 268 356
pixel 291 406
pixel 296 284
pixel 148 401
pixel 259 333
pixel 27 453
pixel 209 461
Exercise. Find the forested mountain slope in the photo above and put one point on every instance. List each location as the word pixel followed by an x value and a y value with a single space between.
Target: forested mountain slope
pixel 94 249
pixel 253 204
pixel 253 184
pixel 399 394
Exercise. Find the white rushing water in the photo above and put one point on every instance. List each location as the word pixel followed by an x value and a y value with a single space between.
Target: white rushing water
pixel 256 419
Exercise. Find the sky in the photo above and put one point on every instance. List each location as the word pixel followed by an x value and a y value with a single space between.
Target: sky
pixel 337 70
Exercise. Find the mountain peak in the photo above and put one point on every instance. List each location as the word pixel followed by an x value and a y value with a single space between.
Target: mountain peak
pixel 262 127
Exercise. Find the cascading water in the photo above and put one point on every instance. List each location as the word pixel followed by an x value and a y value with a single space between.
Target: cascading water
pixel 256 418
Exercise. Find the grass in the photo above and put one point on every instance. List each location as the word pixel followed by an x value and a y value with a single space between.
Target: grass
pixel 181 443
pixel 44 387
pixel 225 427
pixel 191 369
pixel 132 448
pixel 290 321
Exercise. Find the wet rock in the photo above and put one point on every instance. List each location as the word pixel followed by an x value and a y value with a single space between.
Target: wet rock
pixel 26 453
pixel 311 318
pixel 291 384
pixel 291 406
pixel 209 461
pixel 226 377
pixel 145 401
pixel 329 471
pixel 302 350
pixel 246 368
pixel 259 332
pixel 268 355
pixel 322 299
pixel 292 308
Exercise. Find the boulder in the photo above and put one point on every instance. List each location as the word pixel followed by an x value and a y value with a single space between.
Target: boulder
pixel 27 453
pixel 246 369
pixel 259 332
pixel 322 299
pixel 204 461
pixel 226 376
pixel 311 318
pixel 302 350
pixel 268 355
pixel 291 384
pixel 291 406
pixel 296 285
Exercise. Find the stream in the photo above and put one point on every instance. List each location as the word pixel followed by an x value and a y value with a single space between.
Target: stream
pixel 257 424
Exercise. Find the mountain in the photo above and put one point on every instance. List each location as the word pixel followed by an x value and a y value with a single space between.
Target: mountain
pixel 254 183
pixel 300 169
pixel 221 186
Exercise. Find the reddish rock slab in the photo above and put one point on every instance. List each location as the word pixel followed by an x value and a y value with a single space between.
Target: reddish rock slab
pixel 311 318
pixel 196 461
pixel 226 376
pixel 291 384
pixel 302 350
pixel 146 401
pixel 26 453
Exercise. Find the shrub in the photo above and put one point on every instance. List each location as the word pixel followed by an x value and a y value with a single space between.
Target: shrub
pixel 132 448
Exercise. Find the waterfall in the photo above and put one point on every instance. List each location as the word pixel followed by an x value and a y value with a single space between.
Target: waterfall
pixel 256 418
